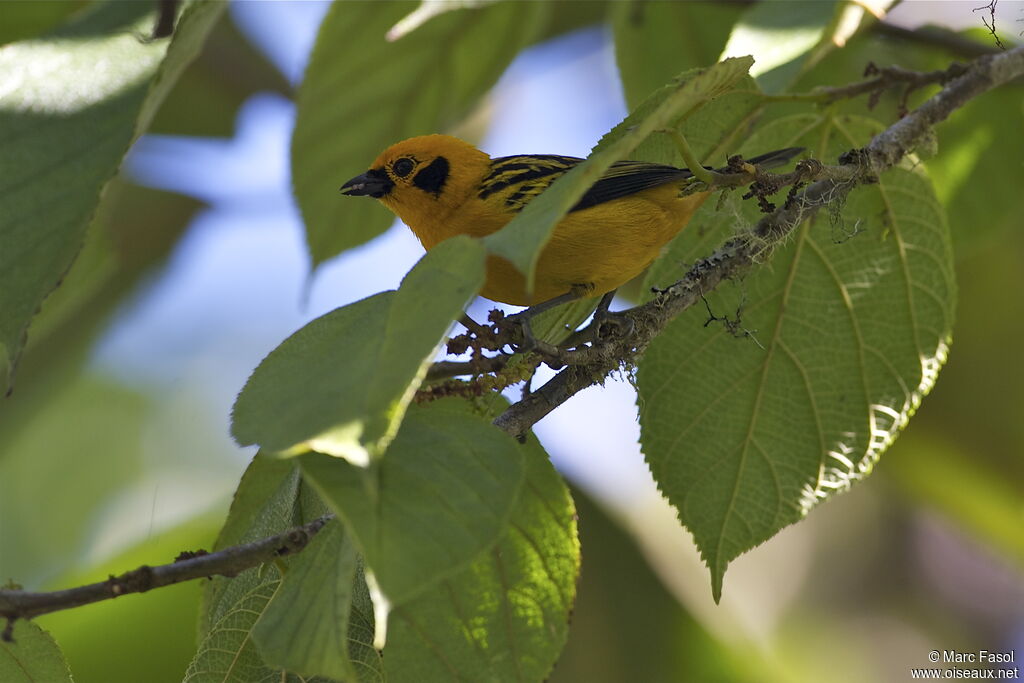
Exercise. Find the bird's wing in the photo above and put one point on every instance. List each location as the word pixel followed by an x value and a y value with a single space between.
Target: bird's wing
pixel 516 180
pixel 629 177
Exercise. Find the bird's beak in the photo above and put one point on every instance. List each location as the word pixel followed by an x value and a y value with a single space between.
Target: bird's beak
pixel 374 183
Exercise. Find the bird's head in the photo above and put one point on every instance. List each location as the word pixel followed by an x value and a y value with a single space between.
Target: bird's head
pixel 422 178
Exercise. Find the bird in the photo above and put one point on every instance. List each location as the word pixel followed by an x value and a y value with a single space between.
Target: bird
pixel 441 186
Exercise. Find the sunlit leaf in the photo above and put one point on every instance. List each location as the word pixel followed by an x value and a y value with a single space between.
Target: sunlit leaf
pixel 853 317
pixel 442 493
pixel 505 616
pixel 341 384
pixel 70 105
pixel 781 35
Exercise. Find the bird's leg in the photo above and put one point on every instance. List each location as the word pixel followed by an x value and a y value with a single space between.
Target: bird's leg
pixel 602 316
pixel 523 318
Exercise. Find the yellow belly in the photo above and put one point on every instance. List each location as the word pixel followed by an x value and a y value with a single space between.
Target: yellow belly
pixel 602 247
pixel 599 248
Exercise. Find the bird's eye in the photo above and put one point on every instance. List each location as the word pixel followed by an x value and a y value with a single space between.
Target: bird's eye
pixel 403 167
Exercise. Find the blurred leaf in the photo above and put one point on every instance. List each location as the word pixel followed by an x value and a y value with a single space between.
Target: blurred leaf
pixel 305 627
pixel 854 320
pixel 120 640
pixel 32 657
pixel 25 19
pixel 655 41
pixel 979 166
pixel 225 74
pixel 565 17
pixel 781 35
pixel 84 448
pixel 627 627
pixel 74 103
pixel 442 494
pixel 362 94
pixel 983 500
pixel 341 384
pixel 505 616
pixel 116 256
pixel 521 241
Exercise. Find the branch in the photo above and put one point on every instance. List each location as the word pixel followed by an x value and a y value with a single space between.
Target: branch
pixel 19 604
pixel 587 365
pixel 590 365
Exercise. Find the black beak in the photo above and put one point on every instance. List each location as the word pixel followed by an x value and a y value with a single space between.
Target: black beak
pixel 374 183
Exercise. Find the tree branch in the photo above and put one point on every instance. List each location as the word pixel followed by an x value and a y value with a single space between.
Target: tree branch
pixel 587 365
pixel 19 604
pixel 590 365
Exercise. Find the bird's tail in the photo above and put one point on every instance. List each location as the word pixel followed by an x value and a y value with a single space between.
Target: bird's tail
pixel 773 159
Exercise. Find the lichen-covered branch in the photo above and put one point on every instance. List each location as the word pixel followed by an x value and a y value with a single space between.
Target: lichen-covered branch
pixel 590 365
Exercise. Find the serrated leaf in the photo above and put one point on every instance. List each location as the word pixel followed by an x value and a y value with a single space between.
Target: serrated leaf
pixel 781 35
pixel 506 616
pixel 304 629
pixel 442 494
pixel 655 41
pixel 340 385
pixel 521 241
pixel 362 93
pixel 70 105
pixel 232 606
pixel 32 657
pixel 854 317
pixel 266 503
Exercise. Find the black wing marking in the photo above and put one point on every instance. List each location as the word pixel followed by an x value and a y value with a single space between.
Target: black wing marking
pixel 521 178
pixel 628 177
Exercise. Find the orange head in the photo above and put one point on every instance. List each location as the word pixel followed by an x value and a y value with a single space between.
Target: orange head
pixel 423 179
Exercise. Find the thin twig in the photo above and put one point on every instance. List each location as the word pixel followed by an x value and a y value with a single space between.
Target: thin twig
pixel 591 365
pixel 19 604
pixel 588 365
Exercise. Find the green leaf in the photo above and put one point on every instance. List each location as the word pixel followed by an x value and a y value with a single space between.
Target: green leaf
pixel 232 606
pixel 23 20
pixel 362 93
pixel 36 455
pixel 33 657
pixel 555 325
pixel 340 385
pixel 782 36
pixel 71 105
pixel 655 41
pixel 854 317
pixel 266 503
pixel 505 617
pixel 442 494
pixel 521 241
pixel 305 627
